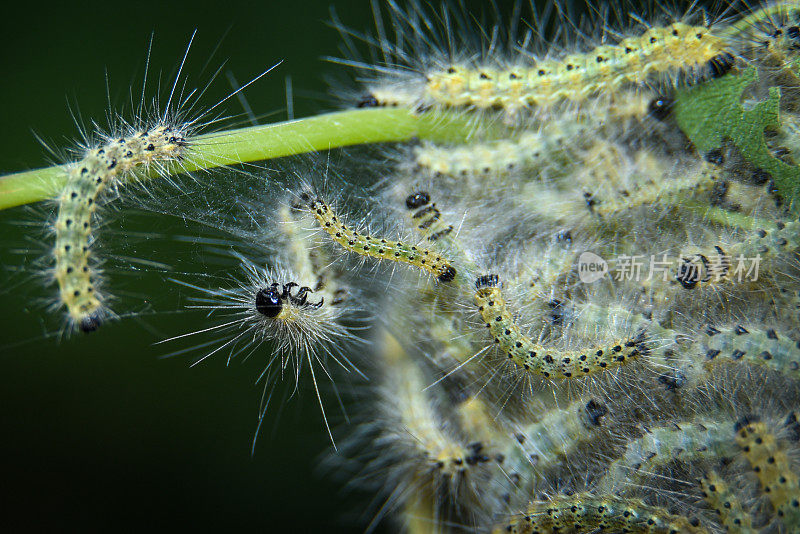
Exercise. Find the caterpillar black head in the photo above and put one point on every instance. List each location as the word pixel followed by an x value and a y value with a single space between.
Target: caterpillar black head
pixel 368 101
pixel 90 323
pixel 660 108
pixel 416 200
pixel 447 274
pixel 720 65
pixel 487 280
pixel 269 302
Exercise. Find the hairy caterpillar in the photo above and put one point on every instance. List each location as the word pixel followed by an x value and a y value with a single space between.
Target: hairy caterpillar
pixel 693 52
pixel 422 449
pixel 772 36
pixel 721 498
pixel 272 305
pixel 609 183
pixel 776 351
pixel 614 182
pixel 129 149
pixel 681 442
pixel 767 456
pixel 382 249
pixel 556 142
pixel 587 512
pixel 101 168
pixel 722 265
pixel 579 77
pixel 560 433
pixel 549 363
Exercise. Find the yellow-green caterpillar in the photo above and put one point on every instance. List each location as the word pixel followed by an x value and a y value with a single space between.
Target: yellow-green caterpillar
pixel 721 498
pixel 382 249
pixel 549 363
pixel 100 168
pixel 677 48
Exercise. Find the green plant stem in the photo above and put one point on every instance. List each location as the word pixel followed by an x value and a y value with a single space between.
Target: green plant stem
pixel 258 143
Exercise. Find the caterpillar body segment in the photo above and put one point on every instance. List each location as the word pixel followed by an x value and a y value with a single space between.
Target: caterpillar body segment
pixel 424 448
pixel 483 159
pixel 723 500
pixel 560 436
pixel 767 456
pixel 683 442
pixel 720 265
pixel 587 512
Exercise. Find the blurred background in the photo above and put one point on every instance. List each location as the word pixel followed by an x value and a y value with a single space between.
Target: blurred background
pixel 102 431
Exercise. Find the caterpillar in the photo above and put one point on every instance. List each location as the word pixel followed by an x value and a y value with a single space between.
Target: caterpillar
pixel 560 433
pixel 721 498
pixel 658 447
pixel 587 512
pixel 736 263
pixel 771 35
pixel 486 159
pixel 532 357
pixel 129 149
pixel 767 456
pixel 610 182
pixel 555 142
pixel 101 168
pixel 579 77
pixel 424 59
pixel 683 50
pixel 613 182
pixel 419 437
pixel 749 344
pixel 379 248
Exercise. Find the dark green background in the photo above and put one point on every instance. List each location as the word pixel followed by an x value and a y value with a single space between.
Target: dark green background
pixel 98 431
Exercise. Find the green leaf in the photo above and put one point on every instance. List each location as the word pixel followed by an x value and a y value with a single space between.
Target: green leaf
pixel 710 113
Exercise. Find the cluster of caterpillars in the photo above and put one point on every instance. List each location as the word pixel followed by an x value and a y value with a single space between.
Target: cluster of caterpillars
pixel 524 395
